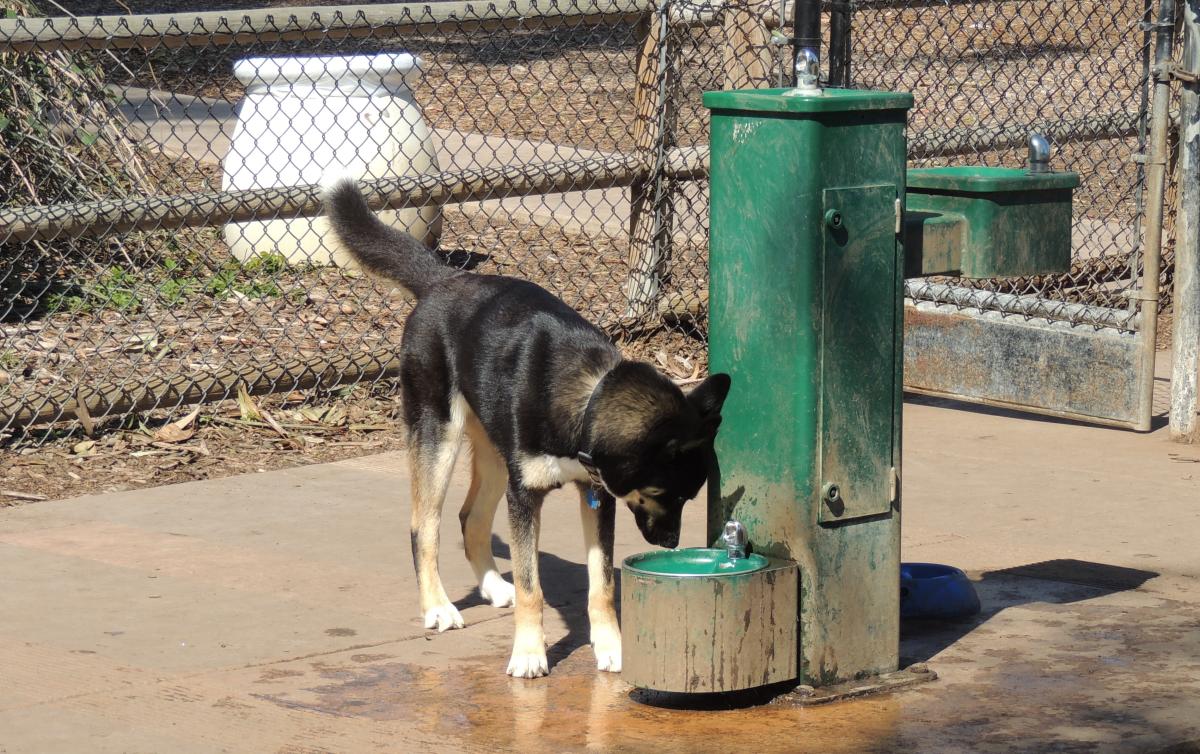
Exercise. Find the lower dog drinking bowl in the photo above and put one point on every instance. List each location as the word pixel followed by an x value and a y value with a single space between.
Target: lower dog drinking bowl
pixel 694 620
pixel 931 590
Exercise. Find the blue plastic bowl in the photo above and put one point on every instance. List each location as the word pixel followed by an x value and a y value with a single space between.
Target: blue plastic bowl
pixel 941 592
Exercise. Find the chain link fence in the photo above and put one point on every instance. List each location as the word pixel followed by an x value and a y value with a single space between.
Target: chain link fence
pixel 192 265
pixel 158 230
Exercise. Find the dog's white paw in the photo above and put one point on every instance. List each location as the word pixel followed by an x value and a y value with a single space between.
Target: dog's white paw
pixel 443 617
pixel 608 659
pixel 606 644
pixel 528 665
pixel 496 590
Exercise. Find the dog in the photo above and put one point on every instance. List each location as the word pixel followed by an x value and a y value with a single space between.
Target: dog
pixel 544 399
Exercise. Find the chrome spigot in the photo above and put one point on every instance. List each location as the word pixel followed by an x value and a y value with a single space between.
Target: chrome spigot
pixel 1039 153
pixel 734 539
pixel 808 70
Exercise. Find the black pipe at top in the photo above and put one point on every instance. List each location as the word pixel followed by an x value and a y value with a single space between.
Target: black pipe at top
pixel 806 21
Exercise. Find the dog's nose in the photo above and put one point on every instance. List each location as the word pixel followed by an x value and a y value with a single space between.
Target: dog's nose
pixel 670 540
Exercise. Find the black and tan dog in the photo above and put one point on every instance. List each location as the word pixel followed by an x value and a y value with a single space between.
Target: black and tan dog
pixel 545 400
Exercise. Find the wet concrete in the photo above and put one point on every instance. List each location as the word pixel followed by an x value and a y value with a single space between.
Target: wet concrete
pixel 1049 667
pixel 275 612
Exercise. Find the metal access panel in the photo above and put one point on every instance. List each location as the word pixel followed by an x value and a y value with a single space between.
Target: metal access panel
pixel 1027 364
pixel 858 349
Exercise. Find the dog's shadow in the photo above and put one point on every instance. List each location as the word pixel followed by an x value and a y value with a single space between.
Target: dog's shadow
pixel 565 588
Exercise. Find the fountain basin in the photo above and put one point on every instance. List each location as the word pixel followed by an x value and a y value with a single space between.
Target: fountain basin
pixel 691 624
pixel 693 561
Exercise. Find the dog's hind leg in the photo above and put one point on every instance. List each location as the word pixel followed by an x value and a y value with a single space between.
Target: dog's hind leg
pixel 433 447
pixel 529 641
pixel 489 477
pixel 598 526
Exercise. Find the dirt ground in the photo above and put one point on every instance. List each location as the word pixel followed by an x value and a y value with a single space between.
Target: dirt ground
pixel 309 314
pixel 224 439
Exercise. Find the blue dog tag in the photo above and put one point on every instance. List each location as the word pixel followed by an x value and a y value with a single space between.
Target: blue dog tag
pixel 593 500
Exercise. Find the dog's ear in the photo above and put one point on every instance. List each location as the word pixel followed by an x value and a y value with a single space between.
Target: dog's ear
pixel 708 398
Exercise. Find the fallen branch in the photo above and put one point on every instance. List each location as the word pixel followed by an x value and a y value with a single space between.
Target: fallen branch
pixel 21 495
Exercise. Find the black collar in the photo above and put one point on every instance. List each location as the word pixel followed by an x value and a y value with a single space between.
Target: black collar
pixel 593 471
pixel 585 457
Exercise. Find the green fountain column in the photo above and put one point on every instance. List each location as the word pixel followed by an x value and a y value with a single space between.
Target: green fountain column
pixel 806 275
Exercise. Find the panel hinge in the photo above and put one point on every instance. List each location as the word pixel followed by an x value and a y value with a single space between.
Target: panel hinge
pixel 899 217
pixel 894 486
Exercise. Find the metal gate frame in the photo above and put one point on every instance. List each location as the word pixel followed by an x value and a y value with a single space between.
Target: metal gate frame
pixel 1185 401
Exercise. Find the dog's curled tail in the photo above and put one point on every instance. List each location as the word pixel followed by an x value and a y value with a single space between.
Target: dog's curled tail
pixel 381 249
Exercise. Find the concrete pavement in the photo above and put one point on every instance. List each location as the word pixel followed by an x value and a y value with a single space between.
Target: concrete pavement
pixel 276 612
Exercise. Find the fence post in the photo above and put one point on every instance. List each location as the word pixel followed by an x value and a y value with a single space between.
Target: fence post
pixel 839 43
pixel 1186 338
pixel 649 201
pixel 1156 174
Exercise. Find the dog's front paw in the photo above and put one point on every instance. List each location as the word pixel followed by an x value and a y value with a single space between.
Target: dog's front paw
pixel 606 643
pixel 496 590
pixel 608 659
pixel 528 665
pixel 443 617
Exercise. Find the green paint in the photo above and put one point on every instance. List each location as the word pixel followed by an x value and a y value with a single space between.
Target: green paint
pixel 830 101
pixel 978 179
pixel 805 317
pixel 933 243
pixel 1016 223
pixel 693 561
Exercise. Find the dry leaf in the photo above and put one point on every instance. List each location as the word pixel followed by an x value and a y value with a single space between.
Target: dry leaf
pixel 178 431
pixel 334 416
pixel 247 406
pixel 311 413
pixel 274 424
pixel 85 448
pixel 172 433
